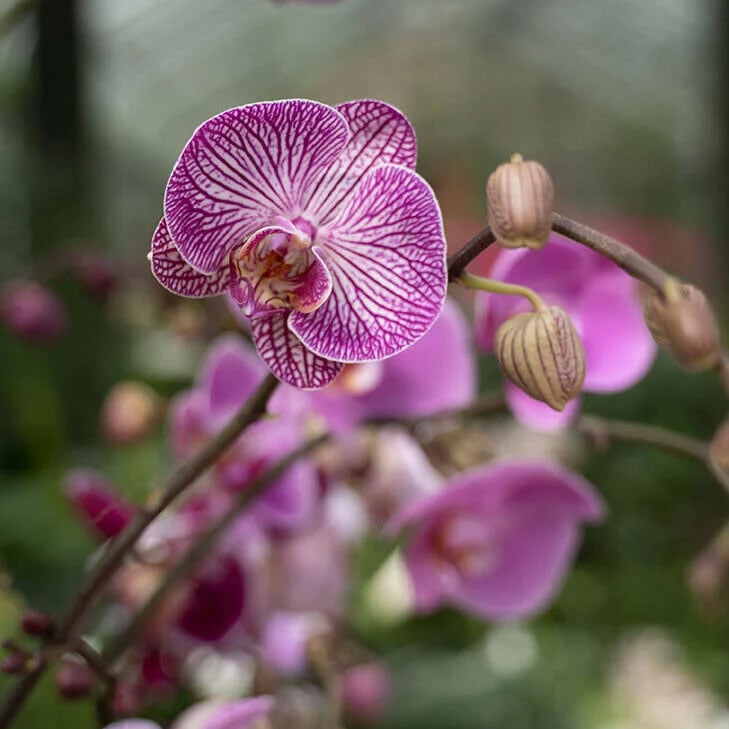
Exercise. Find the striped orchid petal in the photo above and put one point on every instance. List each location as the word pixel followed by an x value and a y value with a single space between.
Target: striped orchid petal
pixel 178 276
pixel 381 134
pixel 288 358
pixel 243 168
pixel 386 255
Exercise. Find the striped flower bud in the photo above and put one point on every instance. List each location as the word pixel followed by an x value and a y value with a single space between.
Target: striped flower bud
pixel 683 322
pixel 520 198
pixel 541 353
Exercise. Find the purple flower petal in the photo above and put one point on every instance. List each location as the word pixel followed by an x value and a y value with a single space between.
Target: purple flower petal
pixel 499 539
pixel 133 724
pixel 288 358
pixel 243 168
pixel 386 254
pixel 216 601
pixel 437 373
pixel 176 275
pixel 106 510
pixel 381 134
pixel 240 714
pixel 230 374
pixel 538 415
pixel 618 346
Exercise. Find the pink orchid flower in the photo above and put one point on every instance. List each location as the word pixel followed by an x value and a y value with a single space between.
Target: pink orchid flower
pixel 314 221
pixel 497 541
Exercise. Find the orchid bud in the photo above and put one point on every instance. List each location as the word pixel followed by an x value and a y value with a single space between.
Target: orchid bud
pixel 520 198
pixel 94 272
pixel 541 353
pixel 683 322
pixel 32 312
pixel 105 510
pixel 130 411
pixel 365 692
pixel 13 664
pixel 74 679
pixel 36 623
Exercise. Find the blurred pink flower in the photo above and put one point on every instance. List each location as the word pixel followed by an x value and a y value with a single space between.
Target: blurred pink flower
pixel 602 301
pixel 229 375
pixel 243 714
pixel 103 508
pixel 32 312
pixel 436 373
pixel 499 540
pixel 365 692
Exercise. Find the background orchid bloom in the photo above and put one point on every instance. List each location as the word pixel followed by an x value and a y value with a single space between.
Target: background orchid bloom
pixel 243 714
pixel 602 301
pixel 435 374
pixel 314 221
pixel 229 375
pixel 497 541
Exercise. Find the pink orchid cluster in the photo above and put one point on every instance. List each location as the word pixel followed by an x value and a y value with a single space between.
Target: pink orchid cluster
pixel 497 541
pixel 328 245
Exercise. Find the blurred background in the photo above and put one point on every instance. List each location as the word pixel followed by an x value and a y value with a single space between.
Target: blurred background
pixel 625 102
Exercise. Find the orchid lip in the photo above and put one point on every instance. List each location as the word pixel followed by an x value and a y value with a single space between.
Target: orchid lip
pixel 276 269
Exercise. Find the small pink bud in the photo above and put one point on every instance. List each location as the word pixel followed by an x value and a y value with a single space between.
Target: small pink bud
pixel 365 692
pixel 98 502
pixel 130 411
pixel 36 623
pixel 74 679
pixel 32 312
pixel 13 664
pixel 94 272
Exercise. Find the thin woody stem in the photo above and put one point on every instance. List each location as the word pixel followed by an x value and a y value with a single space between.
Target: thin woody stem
pixel 623 255
pixel 643 433
pixel 478 244
pixel 184 476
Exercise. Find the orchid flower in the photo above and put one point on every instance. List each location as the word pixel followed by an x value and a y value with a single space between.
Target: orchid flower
pixel 314 221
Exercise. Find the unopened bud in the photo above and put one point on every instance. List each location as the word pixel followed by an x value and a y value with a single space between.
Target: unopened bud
pixel 32 312
pixel 541 353
pixel 365 692
pixel 36 623
pixel 683 322
pixel 130 411
pixel 520 198
pixel 13 664
pixel 74 679
pixel 103 508
pixel 95 272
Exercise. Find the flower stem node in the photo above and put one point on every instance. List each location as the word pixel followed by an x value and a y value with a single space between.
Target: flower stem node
pixel 682 321
pixel 520 198
pixel 541 353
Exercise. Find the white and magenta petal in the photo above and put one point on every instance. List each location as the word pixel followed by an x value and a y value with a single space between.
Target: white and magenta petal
pixel 288 358
pixel 386 255
pixel 381 134
pixel 176 275
pixel 245 167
